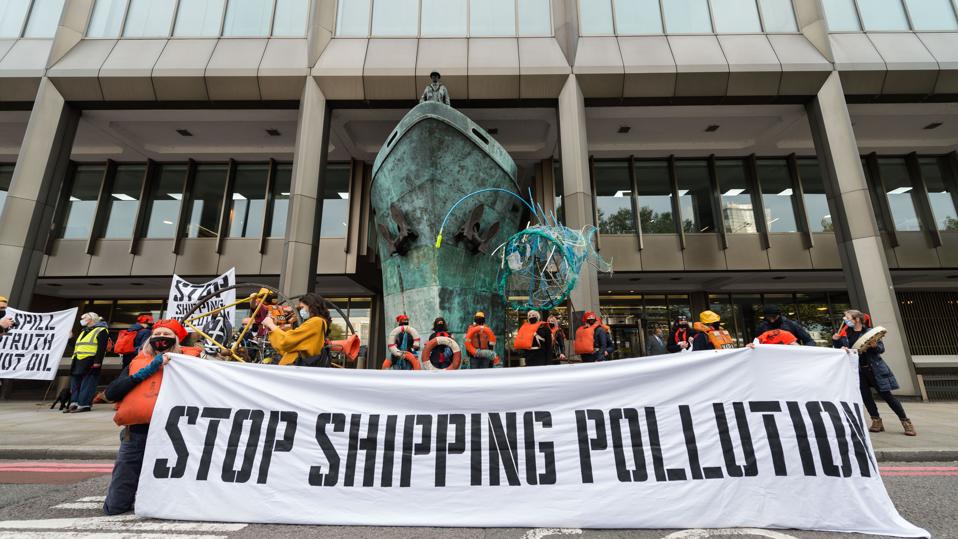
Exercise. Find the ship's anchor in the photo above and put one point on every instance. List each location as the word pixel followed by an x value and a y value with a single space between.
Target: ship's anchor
pixel 469 235
pixel 405 235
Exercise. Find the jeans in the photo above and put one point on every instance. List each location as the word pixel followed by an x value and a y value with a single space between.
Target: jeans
pixel 126 472
pixel 866 381
pixel 83 387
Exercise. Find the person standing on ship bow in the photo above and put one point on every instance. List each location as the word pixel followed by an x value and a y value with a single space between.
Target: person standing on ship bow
pixel 435 91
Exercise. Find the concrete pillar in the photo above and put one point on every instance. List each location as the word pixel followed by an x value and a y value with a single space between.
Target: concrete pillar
pixel 859 240
pixel 37 177
pixel 301 245
pixel 576 184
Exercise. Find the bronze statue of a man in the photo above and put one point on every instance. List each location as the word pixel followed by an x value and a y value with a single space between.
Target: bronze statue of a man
pixel 435 91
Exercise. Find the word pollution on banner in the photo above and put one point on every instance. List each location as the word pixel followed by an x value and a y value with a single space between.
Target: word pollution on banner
pixel 767 438
pixel 33 347
pixel 184 295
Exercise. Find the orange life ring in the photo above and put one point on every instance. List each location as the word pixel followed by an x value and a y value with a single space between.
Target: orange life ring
pixel 413 360
pixel 444 341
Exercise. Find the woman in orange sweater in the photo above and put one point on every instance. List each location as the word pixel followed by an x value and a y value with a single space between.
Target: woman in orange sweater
pixel 308 339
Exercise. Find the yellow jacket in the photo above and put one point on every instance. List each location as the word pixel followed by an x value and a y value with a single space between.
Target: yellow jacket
pixel 309 338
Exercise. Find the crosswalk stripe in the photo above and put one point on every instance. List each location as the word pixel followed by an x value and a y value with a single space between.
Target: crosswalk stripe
pixel 79 505
pixel 127 523
pixel 101 535
pixel 92 499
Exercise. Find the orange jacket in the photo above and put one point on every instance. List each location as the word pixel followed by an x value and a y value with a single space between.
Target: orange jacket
pixel 136 408
pixel 777 336
pixel 527 335
pixel 479 338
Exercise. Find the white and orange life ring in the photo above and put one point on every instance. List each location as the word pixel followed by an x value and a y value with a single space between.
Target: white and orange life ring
pixel 442 341
pixel 394 350
pixel 408 356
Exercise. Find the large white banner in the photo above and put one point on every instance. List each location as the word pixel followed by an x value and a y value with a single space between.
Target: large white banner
pixel 184 295
pixel 773 437
pixel 32 349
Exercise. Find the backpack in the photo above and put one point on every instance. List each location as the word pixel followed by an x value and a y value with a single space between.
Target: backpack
pixel 125 342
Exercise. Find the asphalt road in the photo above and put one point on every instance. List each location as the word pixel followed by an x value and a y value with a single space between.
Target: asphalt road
pixel 61 500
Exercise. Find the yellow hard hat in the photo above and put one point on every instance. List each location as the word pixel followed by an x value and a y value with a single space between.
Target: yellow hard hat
pixel 3 299
pixel 709 317
pixel 479 314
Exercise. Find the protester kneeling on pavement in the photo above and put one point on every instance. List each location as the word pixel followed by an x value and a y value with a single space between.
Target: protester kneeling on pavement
pixel 135 392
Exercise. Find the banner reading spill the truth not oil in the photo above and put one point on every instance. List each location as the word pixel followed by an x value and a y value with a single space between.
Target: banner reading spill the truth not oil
pixel 33 348
pixel 773 437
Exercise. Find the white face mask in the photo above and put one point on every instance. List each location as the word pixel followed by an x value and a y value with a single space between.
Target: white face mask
pixel 84 322
pixel 304 313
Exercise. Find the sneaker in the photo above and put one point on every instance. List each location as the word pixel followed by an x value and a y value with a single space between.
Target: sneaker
pixel 83 409
pixel 70 409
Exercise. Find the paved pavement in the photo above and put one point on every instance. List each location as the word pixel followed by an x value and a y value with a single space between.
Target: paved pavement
pixel 32 431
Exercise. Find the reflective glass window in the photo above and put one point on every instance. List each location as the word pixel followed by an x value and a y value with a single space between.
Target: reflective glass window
pixel 44 18
pixel 812 313
pixel 165 200
pixel 777 15
pixel 816 202
pixel 735 16
pixel 613 197
pixel 932 14
pixel 337 325
pixel 248 201
pixel 12 15
pixel 208 187
pixel 199 18
pixel 149 18
pixel 535 17
pixel 248 18
pixel 841 15
pixel 126 311
pixel 107 19
pixel 595 17
pixel 655 197
pixel 124 201
pixel 883 15
pixel 900 193
pixel 635 17
pixel 335 201
pixel 443 18
pixel 695 196
pixel 687 16
pixel 290 18
pixel 736 197
pixel 6 174
pixel 777 195
pixel 559 191
pixel 942 203
pixel 81 205
pixel 492 18
pixel 395 18
pixel 281 186
pixel 352 18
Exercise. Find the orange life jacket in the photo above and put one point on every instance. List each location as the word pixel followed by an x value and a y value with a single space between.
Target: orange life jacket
pixel 720 338
pixel 136 408
pixel 585 339
pixel 526 336
pixel 777 336
pixel 479 338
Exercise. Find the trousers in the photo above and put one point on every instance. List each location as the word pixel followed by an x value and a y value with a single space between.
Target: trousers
pixel 83 387
pixel 126 472
pixel 866 381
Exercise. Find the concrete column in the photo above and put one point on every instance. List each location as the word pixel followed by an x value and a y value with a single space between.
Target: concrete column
pixel 859 240
pixel 301 245
pixel 28 214
pixel 577 187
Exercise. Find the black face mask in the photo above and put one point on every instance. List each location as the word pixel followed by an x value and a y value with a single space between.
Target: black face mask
pixel 552 324
pixel 440 327
pixel 162 344
pixel 479 321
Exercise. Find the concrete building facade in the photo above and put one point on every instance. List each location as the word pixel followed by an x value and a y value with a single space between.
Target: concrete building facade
pixel 732 153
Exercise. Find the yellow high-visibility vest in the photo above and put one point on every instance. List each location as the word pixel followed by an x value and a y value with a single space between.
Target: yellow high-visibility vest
pixel 86 345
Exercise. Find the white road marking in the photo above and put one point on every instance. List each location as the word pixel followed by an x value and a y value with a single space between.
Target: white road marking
pixel 539 533
pixel 92 499
pixel 129 523
pixel 101 535
pixel 702 533
pixel 79 505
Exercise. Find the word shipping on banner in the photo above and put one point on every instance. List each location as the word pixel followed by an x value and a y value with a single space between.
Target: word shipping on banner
pixel 768 438
pixel 184 295
pixel 33 348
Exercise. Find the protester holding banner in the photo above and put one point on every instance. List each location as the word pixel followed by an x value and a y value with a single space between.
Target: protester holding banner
pixel 308 339
pixel 6 322
pixel 775 320
pixel 88 352
pixel 873 372
pixel 135 395
pixel 680 338
pixel 709 333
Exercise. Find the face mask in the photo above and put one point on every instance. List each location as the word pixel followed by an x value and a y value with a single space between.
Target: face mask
pixel 552 324
pixel 850 323
pixel 440 327
pixel 304 313
pixel 84 323
pixel 480 321
pixel 162 344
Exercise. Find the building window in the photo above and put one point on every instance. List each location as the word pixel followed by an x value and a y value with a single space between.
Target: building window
pixel 841 15
pixel 443 18
pixel 208 190
pixel 124 201
pixel 149 18
pixel 695 196
pixel 655 197
pixel 199 18
pixel 281 187
pixel 637 17
pixel 687 16
pixel 165 201
pixel 248 18
pixel 900 193
pixel 736 196
pixel 290 18
pixel 352 18
pixel 777 16
pixel 595 17
pixel 44 18
pixel 492 18
pixel 81 205
pixel 248 201
pixel 932 15
pixel 6 175
pixel 396 18
pixel 107 19
pixel 613 197
pixel 735 16
pixel 777 195
pixel 12 15
pixel 883 15
pixel 942 203
pixel 535 17
pixel 816 202
pixel 335 201
pixel 921 310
